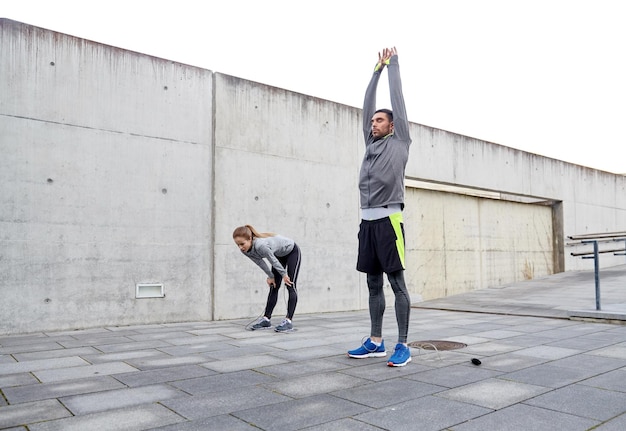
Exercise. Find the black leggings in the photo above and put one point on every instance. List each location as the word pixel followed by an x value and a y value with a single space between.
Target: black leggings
pixel 291 263
pixel 377 303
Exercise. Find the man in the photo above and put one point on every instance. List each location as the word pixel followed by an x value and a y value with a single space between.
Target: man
pixel 381 233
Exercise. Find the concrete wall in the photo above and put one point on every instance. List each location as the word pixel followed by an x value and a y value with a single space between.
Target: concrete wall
pixel 119 168
pixel 105 182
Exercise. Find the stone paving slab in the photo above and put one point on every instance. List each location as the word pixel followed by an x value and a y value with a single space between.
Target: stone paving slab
pixel 43 391
pixel 28 413
pixel 222 382
pixel 298 414
pixel 162 375
pixel 142 417
pixel 119 398
pixel 523 417
pixel 41 365
pixel 582 400
pixel 494 393
pixel 430 413
pixel 224 402
pixel 222 422
pixel 81 372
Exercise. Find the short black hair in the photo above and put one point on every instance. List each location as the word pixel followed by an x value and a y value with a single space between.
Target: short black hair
pixel 389 113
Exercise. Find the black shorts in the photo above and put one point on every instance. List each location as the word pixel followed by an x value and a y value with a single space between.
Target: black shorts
pixel 381 245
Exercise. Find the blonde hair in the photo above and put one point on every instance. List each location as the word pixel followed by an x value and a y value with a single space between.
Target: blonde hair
pixel 248 232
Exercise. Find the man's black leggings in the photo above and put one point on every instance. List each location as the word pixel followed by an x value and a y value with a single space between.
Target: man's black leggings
pixel 377 303
pixel 291 263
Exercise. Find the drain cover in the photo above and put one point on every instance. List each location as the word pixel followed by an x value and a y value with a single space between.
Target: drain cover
pixel 437 345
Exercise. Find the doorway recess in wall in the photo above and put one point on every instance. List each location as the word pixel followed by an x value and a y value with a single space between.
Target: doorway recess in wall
pixel 472 191
pixel 149 290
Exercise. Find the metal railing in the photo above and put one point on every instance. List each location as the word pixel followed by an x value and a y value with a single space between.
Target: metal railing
pixel 595 240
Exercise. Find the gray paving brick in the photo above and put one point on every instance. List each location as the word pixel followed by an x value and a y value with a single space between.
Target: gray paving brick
pixel 165 361
pixel 454 376
pixel 523 417
pixel 243 363
pixel 381 394
pixel 95 341
pixel 161 335
pixel 230 351
pixel 615 424
pixel 297 414
pixel 118 398
pixel 218 403
pixel 212 340
pixel 304 386
pixel 139 345
pixel 44 344
pixel 493 393
pixel 613 380
pixel 41 364
pixel 6 359
pixel 429 413
pixel 584 401
pixel 27 339
pixel 20 414
pixel 42 391
pixel 292 369
pixel 547 352
pixel 55 353
pixel 584 344
pixel 346 424
pixel 509 362
pixel 72 373
pixel 549 375
pixel 121 356
pixel 376 369
pixel 597 363
pixel 128 419
pixel 617 351
pixel 16 380
pixel 222 382
pixel 222 422
pixel 162 375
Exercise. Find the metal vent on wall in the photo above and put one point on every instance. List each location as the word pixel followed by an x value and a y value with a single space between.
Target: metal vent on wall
pixel 149 290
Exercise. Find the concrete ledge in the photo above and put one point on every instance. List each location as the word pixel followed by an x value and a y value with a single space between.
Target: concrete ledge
pixel 609 312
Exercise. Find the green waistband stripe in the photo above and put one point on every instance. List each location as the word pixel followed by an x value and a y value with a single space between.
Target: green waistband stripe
pixel 396 221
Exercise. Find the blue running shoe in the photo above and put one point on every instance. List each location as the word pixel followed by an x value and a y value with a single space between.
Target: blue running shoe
pixel 400 357
pixel 368 350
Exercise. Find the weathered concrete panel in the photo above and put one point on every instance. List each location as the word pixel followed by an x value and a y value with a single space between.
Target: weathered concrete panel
pixel 459 243
pixel 285 163
pixel 105 181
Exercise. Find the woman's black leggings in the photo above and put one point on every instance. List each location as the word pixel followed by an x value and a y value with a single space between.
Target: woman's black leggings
pixel 291 263
pixel 377 303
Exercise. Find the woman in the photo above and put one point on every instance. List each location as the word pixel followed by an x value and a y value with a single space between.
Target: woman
pixel 284 257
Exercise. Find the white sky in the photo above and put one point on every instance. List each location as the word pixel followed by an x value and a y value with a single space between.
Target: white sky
pixel 543 76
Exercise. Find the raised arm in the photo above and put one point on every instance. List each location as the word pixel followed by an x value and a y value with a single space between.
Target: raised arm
pixel 400 118
pixel 369 104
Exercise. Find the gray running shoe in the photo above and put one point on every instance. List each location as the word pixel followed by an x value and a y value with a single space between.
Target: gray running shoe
pixel 285 326
pixel 262 323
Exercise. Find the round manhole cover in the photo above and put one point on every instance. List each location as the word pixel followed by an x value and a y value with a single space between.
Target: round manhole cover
pixel 437 345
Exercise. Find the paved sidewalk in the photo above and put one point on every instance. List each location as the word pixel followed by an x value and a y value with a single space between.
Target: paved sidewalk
pixel 540 370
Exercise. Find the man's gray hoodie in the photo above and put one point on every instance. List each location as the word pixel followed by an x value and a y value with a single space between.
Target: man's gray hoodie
pixel 381 179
